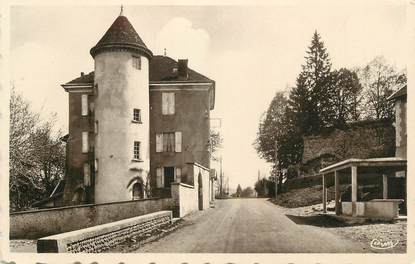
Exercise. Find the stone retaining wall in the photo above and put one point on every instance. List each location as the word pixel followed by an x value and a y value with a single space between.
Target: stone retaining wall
pixel 102 237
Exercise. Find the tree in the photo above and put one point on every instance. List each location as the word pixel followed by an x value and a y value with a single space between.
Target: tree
pixel 346 99
pixel 238 191
pixel 247 192
pixel 378 80
pixel 315 79
pixel 37 155
pixel 215 143
pixel 271 127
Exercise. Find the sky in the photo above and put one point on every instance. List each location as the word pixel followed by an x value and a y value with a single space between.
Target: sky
pixel 250 51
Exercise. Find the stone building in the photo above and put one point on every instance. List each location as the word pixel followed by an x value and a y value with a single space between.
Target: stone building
pixel 137 124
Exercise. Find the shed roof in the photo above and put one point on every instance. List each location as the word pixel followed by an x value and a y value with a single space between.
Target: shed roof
pixel 401 92
pixel 375 162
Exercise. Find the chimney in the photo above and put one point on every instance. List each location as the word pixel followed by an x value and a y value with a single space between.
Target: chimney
pixel 82 74
pixel 182 69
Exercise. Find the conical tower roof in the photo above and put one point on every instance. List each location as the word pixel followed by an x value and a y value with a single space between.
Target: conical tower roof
pixel 121 35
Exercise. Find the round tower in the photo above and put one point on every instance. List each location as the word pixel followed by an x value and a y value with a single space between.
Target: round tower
pixel 121 114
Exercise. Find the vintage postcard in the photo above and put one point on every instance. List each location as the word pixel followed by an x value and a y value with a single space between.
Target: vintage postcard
pixel 271 132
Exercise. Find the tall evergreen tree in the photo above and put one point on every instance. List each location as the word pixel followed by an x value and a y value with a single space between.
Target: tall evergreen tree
pixel 310 100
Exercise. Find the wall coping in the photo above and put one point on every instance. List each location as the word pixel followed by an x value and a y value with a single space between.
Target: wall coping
pixel 84 205
pixel 183 184
pixel 198 165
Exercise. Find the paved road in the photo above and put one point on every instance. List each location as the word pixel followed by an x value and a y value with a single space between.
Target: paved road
pixel 249 226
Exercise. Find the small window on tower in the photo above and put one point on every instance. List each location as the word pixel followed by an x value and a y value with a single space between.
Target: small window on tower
pixel 137 115
pixel 136 150
pixel 137 62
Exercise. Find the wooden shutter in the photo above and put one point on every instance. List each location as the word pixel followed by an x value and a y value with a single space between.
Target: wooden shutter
pixel 158 177
pixel 159 142
pixel 85 145
pixel 178 175
pixel 87 175
pixel 84 106
pixel 178 141
pixel 164 103
pixel 171 104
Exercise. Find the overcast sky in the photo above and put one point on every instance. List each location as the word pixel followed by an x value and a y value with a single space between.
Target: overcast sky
pixel 251 52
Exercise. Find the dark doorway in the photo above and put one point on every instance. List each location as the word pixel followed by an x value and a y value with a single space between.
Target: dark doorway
pixel 168 176
pixel 200 190
pixel 138 191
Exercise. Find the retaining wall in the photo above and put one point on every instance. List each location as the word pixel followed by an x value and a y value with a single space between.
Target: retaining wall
pixel 46 222
pixel 102 237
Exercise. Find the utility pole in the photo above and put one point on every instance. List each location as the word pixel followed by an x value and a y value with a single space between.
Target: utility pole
pixel 277 163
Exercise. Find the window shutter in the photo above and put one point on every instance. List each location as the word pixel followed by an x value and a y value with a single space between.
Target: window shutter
pixel 178 138
pixel 171 103
pixel 84 99
pixel 159 142
pixel 85 145
pixel 164 103
pixel 158 177
pixel 87 175
pixel 96 165
pixel 178 176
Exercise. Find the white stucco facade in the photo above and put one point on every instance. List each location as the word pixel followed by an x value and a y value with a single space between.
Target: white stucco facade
pixel 119 89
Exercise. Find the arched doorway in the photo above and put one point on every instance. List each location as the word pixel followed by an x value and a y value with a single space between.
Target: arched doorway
pixel 138 191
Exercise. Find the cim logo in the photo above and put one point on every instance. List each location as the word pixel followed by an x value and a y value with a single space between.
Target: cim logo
pixel 381 244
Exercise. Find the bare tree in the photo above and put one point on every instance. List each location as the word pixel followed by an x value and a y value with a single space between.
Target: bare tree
pixel 378 80
pixel 37 156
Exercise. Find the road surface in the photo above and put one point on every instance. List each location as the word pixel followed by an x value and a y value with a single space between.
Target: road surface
pixel 249 226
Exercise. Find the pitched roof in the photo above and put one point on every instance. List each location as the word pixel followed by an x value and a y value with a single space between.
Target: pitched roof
pixel 401 92
pixel 164 69
pixel 161 70
pixel 121 34
pixel 83 79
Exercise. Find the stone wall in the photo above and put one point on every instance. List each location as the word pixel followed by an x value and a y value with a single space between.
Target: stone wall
pixel 46 222
pixel 364 139
pixel 103 237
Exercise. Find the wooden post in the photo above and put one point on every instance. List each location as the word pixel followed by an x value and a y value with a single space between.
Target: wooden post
pixel 337 194
pixel 324 193
pixel 385 186
pixel 354 190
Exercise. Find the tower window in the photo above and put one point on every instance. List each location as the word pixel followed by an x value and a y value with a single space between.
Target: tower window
pixel 96 127
pixel 136 150
pixel 137 115
pixel 167 103
pixel 137 62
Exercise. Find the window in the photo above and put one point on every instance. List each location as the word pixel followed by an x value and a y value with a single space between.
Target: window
pixel 96 127
pixel 85 145
pixel 169 142
pixel 96 90
pixel 84 99
pixel 87 175
pixel 137 62
pixel 167 103
pixel 137 115
pixel 136 150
